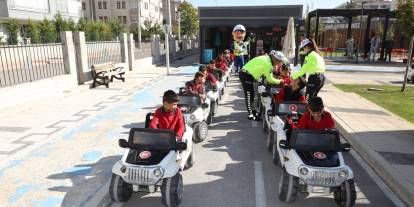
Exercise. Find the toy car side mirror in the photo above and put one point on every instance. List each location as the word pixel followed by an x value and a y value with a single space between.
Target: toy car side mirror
pixel 181 146
pixel 345 147
pixel 123 143
pixel 284 144
pixel 204 105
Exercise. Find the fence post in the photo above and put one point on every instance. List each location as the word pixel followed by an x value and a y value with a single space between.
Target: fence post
pixel 156 52
pixel 124 48
pixel 131 58
pixel 69 57
pixel 173 49
pixel 81 57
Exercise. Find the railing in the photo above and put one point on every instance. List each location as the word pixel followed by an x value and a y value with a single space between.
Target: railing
pixel 27 63
pixel 103 51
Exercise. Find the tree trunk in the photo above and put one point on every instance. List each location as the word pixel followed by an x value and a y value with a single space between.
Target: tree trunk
pixel 409 58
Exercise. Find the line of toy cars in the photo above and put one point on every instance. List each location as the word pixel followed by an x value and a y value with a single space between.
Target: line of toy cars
pixel 154 158
pixel 308 158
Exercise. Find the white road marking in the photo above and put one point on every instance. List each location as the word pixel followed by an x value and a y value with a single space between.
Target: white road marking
pixel 259 184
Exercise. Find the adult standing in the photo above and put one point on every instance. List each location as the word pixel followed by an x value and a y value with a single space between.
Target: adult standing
pixel 350 47
pixel 314 65
pixel 375 42
pixel 261 66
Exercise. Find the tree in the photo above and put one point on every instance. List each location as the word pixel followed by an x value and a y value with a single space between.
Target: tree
pixel 47 31
pixel 116 27
pixel 405 15
pixel 33 32
pixel 189 19
pixel 71 25
pixel 13 29
pixel 151 29
pixel 81 26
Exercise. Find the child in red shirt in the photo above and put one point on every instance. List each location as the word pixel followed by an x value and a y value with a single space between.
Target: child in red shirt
pixel 196 85
pixel 213 70
pixel 292 92
pixel 208 76
pixel 168 116
pixel 315 117
pixel 221 63
pixel 285 74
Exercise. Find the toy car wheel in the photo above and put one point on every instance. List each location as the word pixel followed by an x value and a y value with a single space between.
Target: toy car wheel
pixel 275 153
pixel 119 190
pixel 200 132
pixel 190 159
pixel 172 190
pixel 264 123
pixel 270 139
pixel 288 185
pixel 345 194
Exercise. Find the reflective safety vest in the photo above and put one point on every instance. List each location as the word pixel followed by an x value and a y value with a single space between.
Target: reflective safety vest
pixel 240 49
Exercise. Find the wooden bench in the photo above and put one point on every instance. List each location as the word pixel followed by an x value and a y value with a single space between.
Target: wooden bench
pixel 105 72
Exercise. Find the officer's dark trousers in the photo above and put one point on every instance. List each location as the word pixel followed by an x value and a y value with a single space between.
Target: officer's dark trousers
pixel 315 83
pixel 247 83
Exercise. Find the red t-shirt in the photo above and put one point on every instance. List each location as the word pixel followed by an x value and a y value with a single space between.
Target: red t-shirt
pixel 168 120
pixel 222 65
pixel 294 96
pixel 196 88
pixel 210 77
pixel 307 122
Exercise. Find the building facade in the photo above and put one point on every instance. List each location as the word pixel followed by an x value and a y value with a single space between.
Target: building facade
pixel 36 10
pixel 266 24
pixel 129 12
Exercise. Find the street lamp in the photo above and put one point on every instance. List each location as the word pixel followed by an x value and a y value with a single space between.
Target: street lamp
pixel 360 30
pixel 166 29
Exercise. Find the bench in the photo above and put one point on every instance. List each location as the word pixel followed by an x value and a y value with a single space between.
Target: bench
pixel 105 72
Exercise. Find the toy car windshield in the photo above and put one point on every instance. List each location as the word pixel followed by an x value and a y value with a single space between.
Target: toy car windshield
pixel 289 108
pixel 152 139
pixel 189 100
pixel 315 140
pixel 274 90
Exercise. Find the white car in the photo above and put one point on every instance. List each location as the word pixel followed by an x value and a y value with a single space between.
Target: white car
pixel 311 158
pixel 197 114
pixel 266 94
pixel 151 162
pixel 214 95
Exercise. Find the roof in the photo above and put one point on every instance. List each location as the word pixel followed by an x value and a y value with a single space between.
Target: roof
pixel 351 12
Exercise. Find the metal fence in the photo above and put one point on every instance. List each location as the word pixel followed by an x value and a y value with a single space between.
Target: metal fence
pixel 103 52
pixel 26 63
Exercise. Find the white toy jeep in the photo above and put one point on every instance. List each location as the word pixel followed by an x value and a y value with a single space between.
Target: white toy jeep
pixel 152 161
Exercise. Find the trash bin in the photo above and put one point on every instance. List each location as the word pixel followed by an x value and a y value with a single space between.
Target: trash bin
pixel 208 55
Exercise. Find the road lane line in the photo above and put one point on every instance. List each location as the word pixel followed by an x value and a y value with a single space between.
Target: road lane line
pixel 259 184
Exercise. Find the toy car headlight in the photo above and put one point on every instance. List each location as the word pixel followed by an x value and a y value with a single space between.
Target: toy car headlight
pixel 123 169
pixel 192 117
pixel 158 172
pixel 343 173
pixel 303 170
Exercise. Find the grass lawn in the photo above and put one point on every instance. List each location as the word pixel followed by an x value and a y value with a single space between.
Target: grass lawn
pixel 391 98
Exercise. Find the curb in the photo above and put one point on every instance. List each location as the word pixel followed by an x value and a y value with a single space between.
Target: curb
pixel 385 171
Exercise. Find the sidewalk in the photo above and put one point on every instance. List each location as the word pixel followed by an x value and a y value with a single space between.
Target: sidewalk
pixel 383 139
pixel 60 151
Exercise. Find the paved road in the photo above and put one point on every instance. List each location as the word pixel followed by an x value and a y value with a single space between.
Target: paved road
pixel 233 168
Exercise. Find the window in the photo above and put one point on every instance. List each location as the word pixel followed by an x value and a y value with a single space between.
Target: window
pixel 118 4
pixel 123 4
pixel 99 5
pixel 104 4
pixel 83 6
pixel 100 18
pixel 105 18
pixel 124 19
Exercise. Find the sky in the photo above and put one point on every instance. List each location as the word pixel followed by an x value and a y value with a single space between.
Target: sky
pixel 313 4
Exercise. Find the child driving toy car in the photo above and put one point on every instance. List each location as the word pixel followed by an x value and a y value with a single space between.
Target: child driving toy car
pixel 315 118
pixel 167 116
pixel 196 86
pixel 292 92
pixel 208 76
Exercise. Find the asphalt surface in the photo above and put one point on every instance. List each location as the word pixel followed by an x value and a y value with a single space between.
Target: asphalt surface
pixel 234 169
